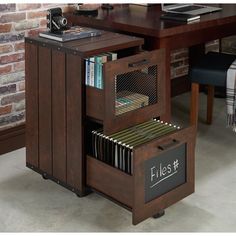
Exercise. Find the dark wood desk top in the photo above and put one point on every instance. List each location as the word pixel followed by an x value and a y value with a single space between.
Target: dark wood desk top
pixel 86 47
pixel 146 20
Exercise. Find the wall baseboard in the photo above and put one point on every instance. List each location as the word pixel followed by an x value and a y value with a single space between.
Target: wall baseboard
pixel 12 139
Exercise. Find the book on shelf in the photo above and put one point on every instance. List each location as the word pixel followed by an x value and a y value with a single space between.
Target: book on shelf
pixel 73 33
pixel 128 101
pixel 180 17
pixel 93 69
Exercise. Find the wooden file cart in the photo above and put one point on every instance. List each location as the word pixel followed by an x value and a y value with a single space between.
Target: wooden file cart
pixel 61 109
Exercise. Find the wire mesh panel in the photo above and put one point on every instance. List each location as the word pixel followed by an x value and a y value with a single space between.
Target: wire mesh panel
pixel 136 89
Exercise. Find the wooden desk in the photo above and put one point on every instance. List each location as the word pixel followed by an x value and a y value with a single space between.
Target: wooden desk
pixel 145 22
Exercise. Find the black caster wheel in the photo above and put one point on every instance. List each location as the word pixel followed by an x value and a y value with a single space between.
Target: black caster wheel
pixel 44 177
pixel 79 195
pixel 159 214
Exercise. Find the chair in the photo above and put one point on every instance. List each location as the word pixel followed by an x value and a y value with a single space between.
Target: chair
pixel 210 70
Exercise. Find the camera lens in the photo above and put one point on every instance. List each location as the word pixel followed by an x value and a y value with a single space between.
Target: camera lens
pixel 61 21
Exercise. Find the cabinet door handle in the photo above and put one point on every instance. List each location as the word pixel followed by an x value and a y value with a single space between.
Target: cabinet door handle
pixel 139 63
pixel 171 144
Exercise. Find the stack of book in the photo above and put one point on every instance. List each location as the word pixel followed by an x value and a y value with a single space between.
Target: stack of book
pixel 128 101
pixel 117 149
pixel 93 69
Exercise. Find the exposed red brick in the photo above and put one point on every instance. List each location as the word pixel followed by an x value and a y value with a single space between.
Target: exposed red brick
pixel 5 110
pixel 4 28
pixel 7 7
pixel 12 36
pixel 6 48
pixel 34 32
pixel 36 14
pixel 26 24
pixel 13 98
pixel 21 86
pixel 181 71
pixel 19 66
pixel 30 6
pixel 181 55
pixel 12 17
pixel 12 58
pixel 5 69
pixel 19 46
pixel 7 89
pixel 43 23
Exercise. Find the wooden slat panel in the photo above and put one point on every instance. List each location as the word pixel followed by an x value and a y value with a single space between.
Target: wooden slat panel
pixel 59 115
pixel 45 116
pixel 31 77
pixel 75 162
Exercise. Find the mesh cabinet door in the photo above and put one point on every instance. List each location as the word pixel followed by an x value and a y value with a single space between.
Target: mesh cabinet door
pixel 134 90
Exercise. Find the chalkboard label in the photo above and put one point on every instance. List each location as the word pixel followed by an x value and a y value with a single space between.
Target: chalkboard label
pixel 165 172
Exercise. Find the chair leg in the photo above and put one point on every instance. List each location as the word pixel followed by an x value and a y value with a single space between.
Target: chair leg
pixel 210 102
pixel 194 104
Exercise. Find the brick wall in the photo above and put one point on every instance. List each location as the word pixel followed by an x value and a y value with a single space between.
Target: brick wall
pixel 179 59
pixel 16 22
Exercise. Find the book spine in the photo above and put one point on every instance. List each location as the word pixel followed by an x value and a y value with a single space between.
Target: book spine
pixel 87 69
pixel 104 60
pixel 99 69
pixel 96 69
pixel 113 56
pixel 91 71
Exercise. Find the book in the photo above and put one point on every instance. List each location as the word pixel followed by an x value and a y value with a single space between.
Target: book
pixel 91 73
pixel 98 71
pixel 94 69
pixel 75 32
pixel 128 101
pixel 87 71
pixel 180 17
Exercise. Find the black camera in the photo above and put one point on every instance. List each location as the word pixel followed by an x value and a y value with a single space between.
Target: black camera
pixel 56 22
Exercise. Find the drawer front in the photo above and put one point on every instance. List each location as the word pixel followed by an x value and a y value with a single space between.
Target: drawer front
pixel 109 181
pixel 163 173
pixel 134 90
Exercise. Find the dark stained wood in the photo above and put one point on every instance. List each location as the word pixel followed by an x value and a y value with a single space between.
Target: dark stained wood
pixel 59 115
pixel 75 119
pixel 180 85
pixel 62 102
pixel 113 123
pixel 32 104
pixel 142 210
pixel 210 102
pixel 91 46
pixel 110 181
pixel 12 139
pixel 45 112
pixel 95 109
pixel 145 22
pixel 194 104
pixel 70 101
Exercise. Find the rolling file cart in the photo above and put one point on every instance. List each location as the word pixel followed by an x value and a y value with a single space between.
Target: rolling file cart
pixel 63 111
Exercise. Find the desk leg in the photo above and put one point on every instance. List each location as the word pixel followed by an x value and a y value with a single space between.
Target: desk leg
pixel 167 115
pixel 194 104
